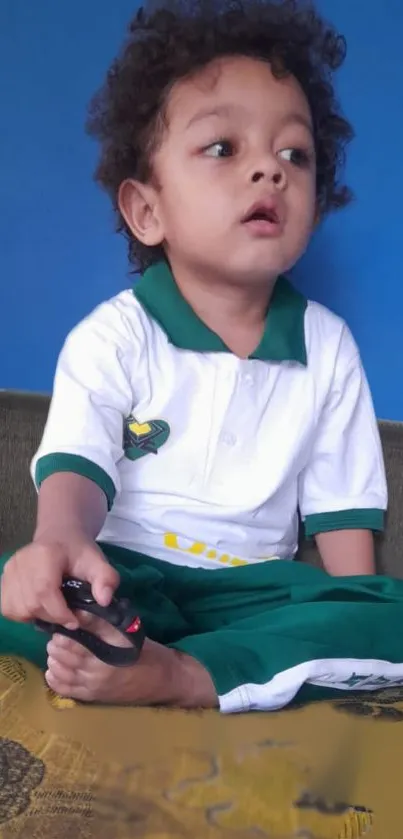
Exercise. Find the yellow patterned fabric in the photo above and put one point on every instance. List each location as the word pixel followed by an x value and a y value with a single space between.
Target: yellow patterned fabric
pixel 326 771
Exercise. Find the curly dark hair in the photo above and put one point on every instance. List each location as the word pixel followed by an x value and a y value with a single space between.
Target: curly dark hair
pixel 171 42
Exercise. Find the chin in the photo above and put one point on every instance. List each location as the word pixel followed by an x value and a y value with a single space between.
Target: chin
pixel 259 271
pixel 268 259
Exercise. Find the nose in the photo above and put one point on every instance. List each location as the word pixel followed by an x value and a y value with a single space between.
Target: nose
pixel 270 169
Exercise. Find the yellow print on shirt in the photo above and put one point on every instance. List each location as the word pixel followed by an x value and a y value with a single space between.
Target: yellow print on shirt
pixel 171 541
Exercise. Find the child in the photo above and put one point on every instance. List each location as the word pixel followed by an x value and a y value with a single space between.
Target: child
pixel 195 415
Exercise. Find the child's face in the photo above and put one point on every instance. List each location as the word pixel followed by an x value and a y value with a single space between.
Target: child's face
pixel 237 139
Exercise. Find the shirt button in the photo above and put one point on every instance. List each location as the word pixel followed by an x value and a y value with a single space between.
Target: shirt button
pixel 248 379
pixel 228 438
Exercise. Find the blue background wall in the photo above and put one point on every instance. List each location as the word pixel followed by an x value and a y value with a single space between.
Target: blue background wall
pixel 58 256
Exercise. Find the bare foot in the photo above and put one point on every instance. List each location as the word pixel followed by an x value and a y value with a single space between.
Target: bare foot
pixel 161 676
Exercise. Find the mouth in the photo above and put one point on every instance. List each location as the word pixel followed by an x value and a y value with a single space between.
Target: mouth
pixel 263 213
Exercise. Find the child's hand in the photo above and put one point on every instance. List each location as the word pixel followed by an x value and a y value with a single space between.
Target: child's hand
pixel 30 585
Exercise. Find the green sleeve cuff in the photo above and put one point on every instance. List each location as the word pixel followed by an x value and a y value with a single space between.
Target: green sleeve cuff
pixel 59 462
pixel 371 519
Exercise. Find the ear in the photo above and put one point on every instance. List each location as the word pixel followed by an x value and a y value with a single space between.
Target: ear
pixel 138 204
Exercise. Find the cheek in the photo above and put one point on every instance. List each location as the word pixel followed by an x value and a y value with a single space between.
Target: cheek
pixel 304 229
pixel 302 219
pixel 177 194
pixel 171 210
pixel 185 204
pixel 305 204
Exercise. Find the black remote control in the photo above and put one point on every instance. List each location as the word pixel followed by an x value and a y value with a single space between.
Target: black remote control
pixel 120 614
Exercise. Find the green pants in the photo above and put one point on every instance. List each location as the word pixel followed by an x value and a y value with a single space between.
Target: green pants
pixel 269 634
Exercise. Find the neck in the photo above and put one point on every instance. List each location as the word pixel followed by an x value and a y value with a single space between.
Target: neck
pixel 236 313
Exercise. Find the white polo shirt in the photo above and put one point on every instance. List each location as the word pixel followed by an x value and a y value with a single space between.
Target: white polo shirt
pixel 206 458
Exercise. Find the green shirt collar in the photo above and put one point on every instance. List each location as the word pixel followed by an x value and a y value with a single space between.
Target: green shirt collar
pixel 283 338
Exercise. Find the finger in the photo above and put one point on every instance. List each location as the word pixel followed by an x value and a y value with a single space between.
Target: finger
pixel 84 618
pixel 15 606
pixel 8 606
pixel 92 566
pixel 44 599
pixel 53 608
pixel 12 602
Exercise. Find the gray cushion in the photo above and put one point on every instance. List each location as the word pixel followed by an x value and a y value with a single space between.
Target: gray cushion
pixel 22 417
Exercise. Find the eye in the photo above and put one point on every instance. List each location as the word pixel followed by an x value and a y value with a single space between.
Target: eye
pixel 298 157
pixel 221 148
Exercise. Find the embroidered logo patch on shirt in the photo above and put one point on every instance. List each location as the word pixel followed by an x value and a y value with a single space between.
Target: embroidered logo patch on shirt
pixel 141 438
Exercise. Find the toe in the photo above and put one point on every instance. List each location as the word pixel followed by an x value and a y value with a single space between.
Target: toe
pixel 60 646
pixel 60 671
pixel 60 685
pixel 62 642
pixel 72 657
pixel 102 629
